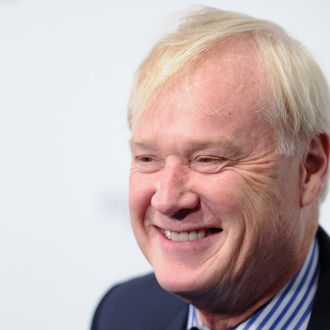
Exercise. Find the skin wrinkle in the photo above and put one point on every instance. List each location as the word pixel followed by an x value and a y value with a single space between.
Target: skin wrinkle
pixel 192 144
pixel 248 194
pixel 245 82
pixel 260 246
pixel 241 279
pixel 243 195
pixel 217 141
pixel 256 187
pixel 251 202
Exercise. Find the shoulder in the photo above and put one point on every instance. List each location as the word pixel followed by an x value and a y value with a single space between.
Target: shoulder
pixel 136 304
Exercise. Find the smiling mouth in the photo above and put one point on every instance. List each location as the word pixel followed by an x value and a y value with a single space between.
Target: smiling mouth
pixel 185 236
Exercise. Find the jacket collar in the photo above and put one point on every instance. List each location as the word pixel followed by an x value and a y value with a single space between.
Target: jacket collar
pixel 320 318
pixel 179 320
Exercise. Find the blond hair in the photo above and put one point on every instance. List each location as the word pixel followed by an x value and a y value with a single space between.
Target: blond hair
pixel 300 91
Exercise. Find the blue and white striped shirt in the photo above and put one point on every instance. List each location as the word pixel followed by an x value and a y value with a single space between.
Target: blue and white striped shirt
pixel 290 309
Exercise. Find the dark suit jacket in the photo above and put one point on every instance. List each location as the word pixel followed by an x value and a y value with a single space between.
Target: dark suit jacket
pixel 141 304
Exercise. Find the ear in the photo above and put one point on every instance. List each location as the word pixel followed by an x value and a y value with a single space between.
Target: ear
pixel 315 168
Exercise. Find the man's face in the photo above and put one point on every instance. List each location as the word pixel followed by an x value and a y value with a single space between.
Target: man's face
pixel 213 207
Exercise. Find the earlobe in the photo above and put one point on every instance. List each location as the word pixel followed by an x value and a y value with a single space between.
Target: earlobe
pixel 315 169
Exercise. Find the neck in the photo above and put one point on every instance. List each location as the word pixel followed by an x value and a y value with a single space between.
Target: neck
pixel 220 321
pixel 229 321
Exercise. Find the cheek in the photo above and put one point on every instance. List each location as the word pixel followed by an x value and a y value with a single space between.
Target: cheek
pixel 267 217
pixel 225 195
pixel 247 207
pixel 140 193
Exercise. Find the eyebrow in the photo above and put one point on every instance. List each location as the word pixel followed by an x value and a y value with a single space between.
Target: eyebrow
pixel 191 143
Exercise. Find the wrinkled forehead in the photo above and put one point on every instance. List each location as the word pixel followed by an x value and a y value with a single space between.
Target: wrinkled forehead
pixel 230 76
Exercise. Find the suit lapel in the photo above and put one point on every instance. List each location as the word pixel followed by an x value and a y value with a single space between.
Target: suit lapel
pixel 179 320
pixel 320 318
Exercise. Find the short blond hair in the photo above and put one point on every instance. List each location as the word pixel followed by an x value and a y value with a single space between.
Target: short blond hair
pixel 300 91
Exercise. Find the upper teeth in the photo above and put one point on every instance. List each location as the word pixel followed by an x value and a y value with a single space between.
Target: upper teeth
pixel 185 235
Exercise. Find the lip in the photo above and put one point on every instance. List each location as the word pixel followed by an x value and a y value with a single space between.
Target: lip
pixel 193 246
pixel 180 229
pixel 188 235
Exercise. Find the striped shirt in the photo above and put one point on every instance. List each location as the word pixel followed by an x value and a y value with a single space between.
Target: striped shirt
pixel 290 309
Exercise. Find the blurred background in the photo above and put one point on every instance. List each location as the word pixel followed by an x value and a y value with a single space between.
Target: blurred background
pixel 65 73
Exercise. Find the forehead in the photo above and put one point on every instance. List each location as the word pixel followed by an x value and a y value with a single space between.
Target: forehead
pixel 229 76
pixel 221 95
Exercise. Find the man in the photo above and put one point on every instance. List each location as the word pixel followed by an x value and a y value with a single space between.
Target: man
pixel 230 147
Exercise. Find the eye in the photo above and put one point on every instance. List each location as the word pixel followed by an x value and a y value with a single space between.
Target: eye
pixel 208 163
pixel 207 160
pixel 144 159
pixel 146 163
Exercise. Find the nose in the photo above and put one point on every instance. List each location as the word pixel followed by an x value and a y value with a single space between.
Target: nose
pixel 173 196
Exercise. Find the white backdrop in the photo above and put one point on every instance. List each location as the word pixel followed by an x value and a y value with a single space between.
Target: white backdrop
pixel 65 74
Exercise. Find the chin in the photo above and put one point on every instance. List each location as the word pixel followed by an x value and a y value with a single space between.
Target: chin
pixel 181 282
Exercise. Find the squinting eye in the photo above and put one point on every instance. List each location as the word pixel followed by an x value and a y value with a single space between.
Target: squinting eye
pixel 208 164
pixel 206 160
pixel 144 159
pixel 146 163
